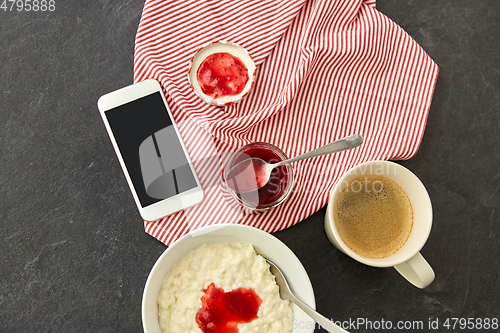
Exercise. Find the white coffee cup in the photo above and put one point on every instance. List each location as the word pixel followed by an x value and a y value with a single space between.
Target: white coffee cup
pixel 407 261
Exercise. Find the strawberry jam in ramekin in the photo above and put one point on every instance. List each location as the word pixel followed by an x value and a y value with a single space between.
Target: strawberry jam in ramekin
pixel 221 73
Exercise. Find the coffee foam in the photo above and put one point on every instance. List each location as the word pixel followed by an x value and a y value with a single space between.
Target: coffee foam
pixel 373 216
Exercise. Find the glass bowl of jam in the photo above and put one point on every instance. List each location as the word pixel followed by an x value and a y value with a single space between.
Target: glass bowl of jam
pixel 275 191
pixel 221 73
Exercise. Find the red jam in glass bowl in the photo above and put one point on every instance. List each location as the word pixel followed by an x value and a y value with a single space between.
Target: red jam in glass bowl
pixel 280 183
pixel 221 73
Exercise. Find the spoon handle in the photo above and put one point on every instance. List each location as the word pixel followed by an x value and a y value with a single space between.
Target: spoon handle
pixel 346 143
pixel 326 324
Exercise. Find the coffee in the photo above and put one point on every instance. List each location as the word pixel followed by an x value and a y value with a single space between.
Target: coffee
pixel 373 216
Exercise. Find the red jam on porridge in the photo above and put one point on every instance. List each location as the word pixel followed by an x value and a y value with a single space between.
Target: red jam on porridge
pixel 222 311
pixel 223 287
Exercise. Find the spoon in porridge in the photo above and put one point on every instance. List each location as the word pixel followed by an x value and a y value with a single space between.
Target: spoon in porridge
pixel 286 293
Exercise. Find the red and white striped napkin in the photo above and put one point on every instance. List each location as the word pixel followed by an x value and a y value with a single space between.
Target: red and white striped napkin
pixel 326 69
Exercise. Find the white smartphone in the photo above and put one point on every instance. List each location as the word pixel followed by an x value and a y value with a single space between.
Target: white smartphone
pixel 150 150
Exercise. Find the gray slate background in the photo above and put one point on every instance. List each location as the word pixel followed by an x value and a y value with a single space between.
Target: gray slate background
pixel 73 253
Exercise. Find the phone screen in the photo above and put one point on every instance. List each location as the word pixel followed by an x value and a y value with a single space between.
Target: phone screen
pixel 151 149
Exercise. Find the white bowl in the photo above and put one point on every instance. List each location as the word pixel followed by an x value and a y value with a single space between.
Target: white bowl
pixel 265 244
pixel 217 47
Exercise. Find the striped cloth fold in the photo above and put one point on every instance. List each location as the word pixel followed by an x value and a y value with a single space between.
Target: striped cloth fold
pixel 326 69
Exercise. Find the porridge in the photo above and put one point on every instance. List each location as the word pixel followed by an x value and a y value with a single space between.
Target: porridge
pixel 222 288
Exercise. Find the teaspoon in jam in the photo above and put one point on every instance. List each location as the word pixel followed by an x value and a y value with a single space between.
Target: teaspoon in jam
pixel 253 173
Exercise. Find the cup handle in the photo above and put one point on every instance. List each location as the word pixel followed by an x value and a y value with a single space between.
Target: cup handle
pixel 417 271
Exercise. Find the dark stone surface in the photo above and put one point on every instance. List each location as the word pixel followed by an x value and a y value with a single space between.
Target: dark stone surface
pixel 73 253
